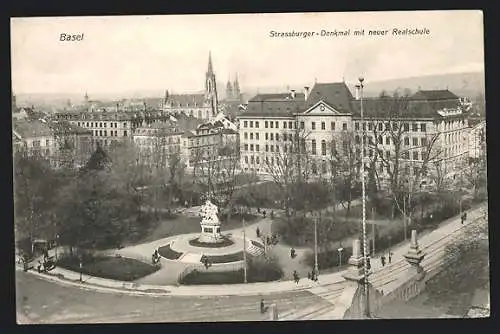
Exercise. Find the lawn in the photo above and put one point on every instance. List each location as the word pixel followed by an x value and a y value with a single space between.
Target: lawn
pixel 169 253
pixel 117 268
pixel 234 277
pixel 182 224
pixel 225 258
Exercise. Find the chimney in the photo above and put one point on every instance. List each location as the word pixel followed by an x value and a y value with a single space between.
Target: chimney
pixel 292 94
pixel 306 92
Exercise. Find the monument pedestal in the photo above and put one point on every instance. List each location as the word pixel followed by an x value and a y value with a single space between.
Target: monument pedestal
pixel 210 234
pixel 210 224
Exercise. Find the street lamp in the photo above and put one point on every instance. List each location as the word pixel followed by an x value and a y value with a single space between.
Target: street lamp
pixel 57 244
pixel 360 86
pixel 340 256
pixel 316 270
pixel 81 266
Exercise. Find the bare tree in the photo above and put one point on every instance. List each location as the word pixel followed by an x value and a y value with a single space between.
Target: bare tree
pixel 289 164
pixel 397 160
pixel 343 169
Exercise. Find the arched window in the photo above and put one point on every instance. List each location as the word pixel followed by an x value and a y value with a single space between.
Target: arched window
pixel 314 168
pixel 358 140
pixel 323 147
pixel 313 148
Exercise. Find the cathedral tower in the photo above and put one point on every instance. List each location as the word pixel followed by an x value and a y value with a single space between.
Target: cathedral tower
pixel 210 86
pixel 229 90
pixel 236 88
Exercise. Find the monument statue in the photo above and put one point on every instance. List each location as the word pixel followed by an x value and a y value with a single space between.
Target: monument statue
pixel 210 223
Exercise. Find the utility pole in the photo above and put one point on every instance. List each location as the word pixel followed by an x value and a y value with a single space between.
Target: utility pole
pixel 363 197
pixel 244 252
pixel 316 271
pixel 373 231
pixel 404 215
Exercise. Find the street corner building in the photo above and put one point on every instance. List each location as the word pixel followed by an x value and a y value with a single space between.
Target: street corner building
pixel 410 132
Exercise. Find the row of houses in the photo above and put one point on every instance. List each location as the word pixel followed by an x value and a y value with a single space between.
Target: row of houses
pixel 430 127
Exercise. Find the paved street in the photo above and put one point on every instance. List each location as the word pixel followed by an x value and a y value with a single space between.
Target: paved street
pixel 46 302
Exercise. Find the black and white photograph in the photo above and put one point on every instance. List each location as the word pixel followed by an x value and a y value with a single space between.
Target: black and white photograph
pixel 249 167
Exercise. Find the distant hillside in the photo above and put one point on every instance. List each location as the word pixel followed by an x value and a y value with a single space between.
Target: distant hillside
pixel 463 84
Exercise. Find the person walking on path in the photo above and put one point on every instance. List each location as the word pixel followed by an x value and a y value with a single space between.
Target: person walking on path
pixel 257 232
pixel 382 259
pixel 296 277
pixel 390 256
pixel 262 306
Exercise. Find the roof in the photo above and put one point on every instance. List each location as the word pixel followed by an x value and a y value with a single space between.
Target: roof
pixel 256 114
pixel 186 123
pixel 61 127
pixel 336 94
pixel 431 95
pixel 229 132
pixel 35 128
pixel 277 97
pixel 186 100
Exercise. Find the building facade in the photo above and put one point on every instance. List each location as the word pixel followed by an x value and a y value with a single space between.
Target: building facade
pixel 427 126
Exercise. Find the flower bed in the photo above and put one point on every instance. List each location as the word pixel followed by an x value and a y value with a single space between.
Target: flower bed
pixel 224 242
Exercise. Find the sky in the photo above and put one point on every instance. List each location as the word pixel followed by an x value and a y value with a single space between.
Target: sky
pixel 138 53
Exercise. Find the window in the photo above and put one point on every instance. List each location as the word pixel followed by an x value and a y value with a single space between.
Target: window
pixel 302 124
pixel 125 133
pixel 358 139
pixel 406 141
pixel 277 125
pixel 379 140
pixel 406 155
pixel 387 155
pixel 323 147
pixel 245 124
pixel 277 148
pixel 257 136
pixel 95 133
pixel 415 141
pixel 313 125
pixel 272 148
pixel 364 126
pixel 380 127
pixel 423 127
pixel 252 159
pixel 406 127
pixel 100 133
pixel 290 125
pixel 36 143
pixel 124 125
pixel 116 125
pixel 272 136
pixel 332 125
pixel 78 123
pixel 323 126
pixel 91 124
pixel 387 126
pixel 251 147
pixel 267 148
pixel 284 136
pixel 285 148
pixel 257 160
pixel 251 124
pixel 284 125
pixel 370 126
pixel 116 133
pixel 272 160
pixel 344 126
pixel 388 140
pixel 370 140
pixel 277 136
pixel 100 124
pixel 423 141
pixel 246 159
pixel 245 135
pixel 105 133
pixel 251 135
pixel 105 124
pixel 267 136
pixel 414 127
pixel 271 124
pixel 265 124
pixel 345 146
pixel 257 148
pixel 415 155
pixel 314 168
pixel 257 124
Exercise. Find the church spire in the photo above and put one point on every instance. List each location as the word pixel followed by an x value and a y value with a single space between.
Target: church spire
pixel 210 67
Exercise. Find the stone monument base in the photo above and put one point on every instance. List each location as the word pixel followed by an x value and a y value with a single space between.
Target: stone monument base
pixel 210 234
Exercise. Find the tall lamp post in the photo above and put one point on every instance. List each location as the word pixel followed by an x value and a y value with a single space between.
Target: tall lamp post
pixel 363 197
pixel 244 252
pixel 316 270
pixel 340 255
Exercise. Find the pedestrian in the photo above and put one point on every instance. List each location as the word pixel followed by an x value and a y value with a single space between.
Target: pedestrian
pixel 258 209
pixel 272 214
pixel 257 232
pixel 292 253
pixel 262 306
pixel 382 259
pixel 309 276
pixel 296 277
pixel 390 257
